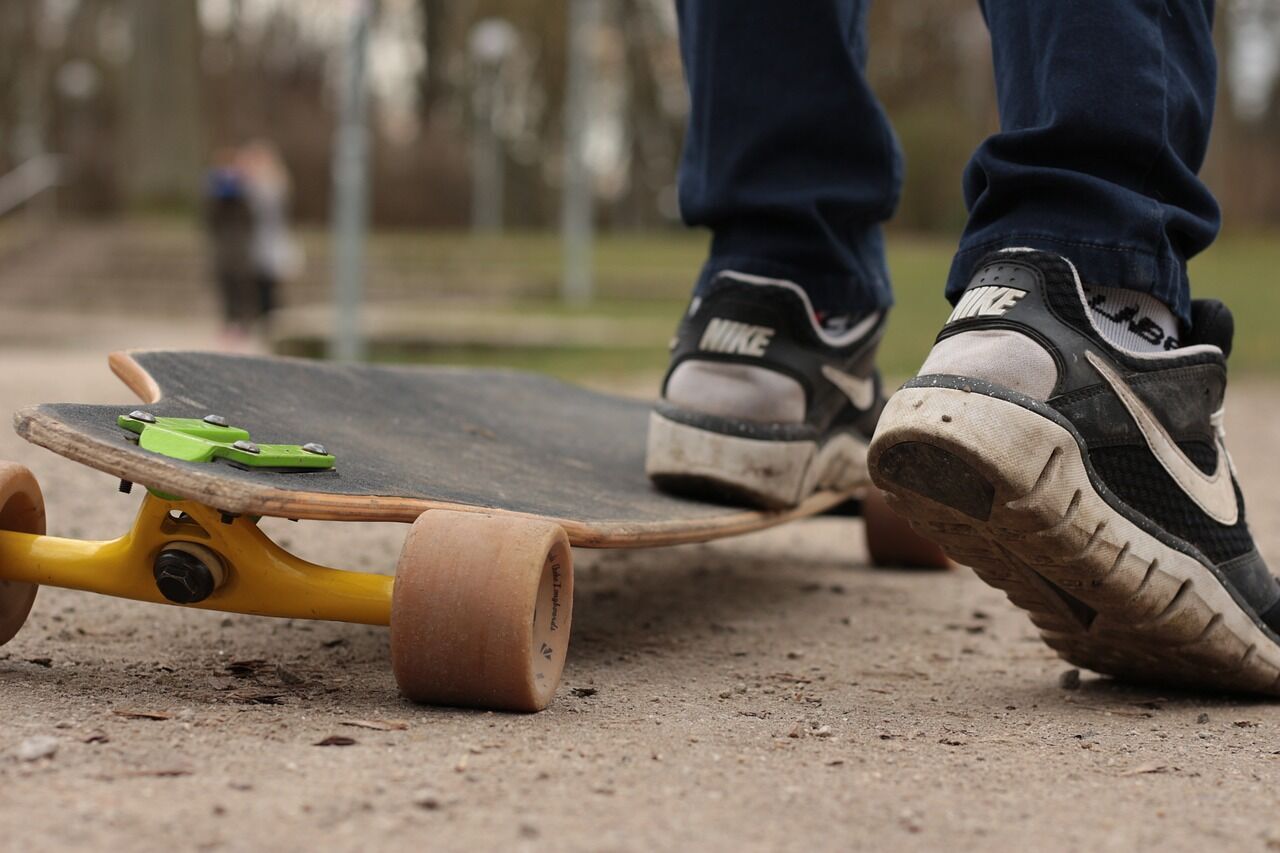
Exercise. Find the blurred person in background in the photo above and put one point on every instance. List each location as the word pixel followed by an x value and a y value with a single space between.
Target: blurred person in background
pixel 275 254
pixel 253 252
pixel 229 221
pixel 1064 435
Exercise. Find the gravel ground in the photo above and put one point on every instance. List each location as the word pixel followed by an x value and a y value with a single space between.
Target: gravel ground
pixel 769 692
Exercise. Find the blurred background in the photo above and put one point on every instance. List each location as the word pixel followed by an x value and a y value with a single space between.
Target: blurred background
pixel 471 181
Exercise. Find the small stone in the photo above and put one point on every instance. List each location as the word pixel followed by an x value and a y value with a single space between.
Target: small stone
pixel 1069 680
pixel 427 800
pixel 821 731
pixel 288 676
pixel 36 748
pixel 1202 719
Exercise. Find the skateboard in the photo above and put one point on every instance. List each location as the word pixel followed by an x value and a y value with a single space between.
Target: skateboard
pixel 498 473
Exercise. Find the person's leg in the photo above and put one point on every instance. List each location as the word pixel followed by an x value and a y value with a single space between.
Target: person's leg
pixel 788 158
pixel 226 280
pixel 772 391
pixel 1105 111
pixel 267 288
pixel 1070 457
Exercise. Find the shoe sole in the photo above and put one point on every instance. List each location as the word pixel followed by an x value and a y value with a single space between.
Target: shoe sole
pixel 1006 491
pixel 768 474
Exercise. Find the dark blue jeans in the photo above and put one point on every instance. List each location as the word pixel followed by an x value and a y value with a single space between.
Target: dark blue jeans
pixel 1105 111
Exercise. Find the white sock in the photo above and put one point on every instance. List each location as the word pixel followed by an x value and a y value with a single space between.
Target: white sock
pixel 1132 321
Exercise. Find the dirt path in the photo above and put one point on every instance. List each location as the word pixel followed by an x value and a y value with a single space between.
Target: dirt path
pixel 765 693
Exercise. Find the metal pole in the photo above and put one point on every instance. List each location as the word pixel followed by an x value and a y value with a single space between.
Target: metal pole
pixel 575 208
pixel 350 194
pixel 486 160
pixel 490 45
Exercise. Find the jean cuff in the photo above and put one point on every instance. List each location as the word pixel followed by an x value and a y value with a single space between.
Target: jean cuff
pixel 1159 274
pixel 830 293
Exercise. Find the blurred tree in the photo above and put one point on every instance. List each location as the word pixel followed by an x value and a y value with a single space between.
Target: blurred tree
pixel 164 142
pixel 266 77
pixel 17 49
pixel 1243 166
pixel 930 65
pixel 654 114
pixel 434 18
pixel 82 115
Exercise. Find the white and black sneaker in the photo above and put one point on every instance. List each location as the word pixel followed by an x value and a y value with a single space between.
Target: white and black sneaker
pixel 765 402
pixel 1088 481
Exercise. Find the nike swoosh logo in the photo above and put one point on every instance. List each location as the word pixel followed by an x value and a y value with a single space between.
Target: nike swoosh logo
pixel 860 391
pixel 1214 493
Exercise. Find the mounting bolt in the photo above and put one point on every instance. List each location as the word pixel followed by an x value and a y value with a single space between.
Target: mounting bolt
pixel 182 577
pixel 143 417
pixel 317 449
pixel 247 446
pixel 216 420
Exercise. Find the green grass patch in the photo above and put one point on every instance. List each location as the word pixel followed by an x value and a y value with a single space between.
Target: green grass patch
pixel 648 277
pixel 1244 272
pixel 598 366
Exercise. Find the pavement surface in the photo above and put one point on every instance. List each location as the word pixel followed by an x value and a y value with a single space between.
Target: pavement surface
pixel 770 692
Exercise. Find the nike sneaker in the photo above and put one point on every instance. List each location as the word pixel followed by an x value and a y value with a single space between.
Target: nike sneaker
pixel 1089 482
pixel 765 402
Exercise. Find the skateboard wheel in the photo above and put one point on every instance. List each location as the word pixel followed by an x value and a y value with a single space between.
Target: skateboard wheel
pixel 481 611
pixel 22 510
pixel 891 543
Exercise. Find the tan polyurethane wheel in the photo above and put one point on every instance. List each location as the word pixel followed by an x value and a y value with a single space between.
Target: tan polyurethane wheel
pixel 481 611
pixel 21 509
pixel 891 543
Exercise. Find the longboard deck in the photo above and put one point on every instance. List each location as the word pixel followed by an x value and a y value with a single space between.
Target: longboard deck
pixel 405 440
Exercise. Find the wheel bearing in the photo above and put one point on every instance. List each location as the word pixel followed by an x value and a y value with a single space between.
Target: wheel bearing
pixel 187 573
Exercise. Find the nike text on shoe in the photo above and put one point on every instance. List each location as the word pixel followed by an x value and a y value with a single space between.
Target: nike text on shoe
pixel 763 404
pixel 1088 482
